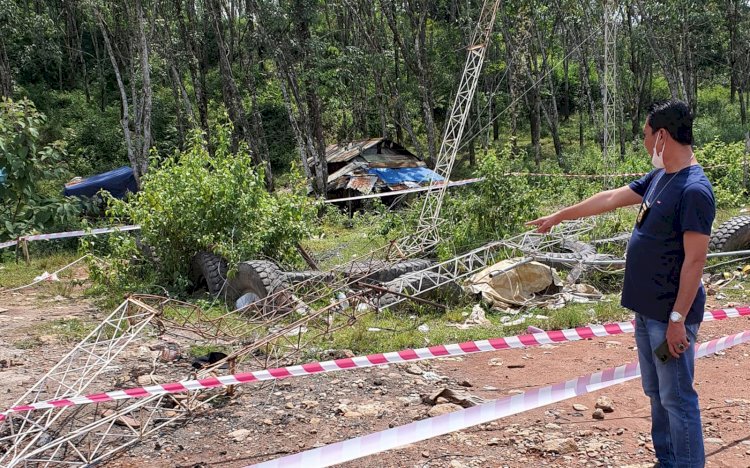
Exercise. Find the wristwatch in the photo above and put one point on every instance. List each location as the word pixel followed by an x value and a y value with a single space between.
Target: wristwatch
pixel 676 317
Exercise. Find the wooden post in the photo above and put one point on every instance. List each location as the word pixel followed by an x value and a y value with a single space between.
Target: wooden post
pixel 25 249
pixel 308 258
pixel 232 367
pixel 744 161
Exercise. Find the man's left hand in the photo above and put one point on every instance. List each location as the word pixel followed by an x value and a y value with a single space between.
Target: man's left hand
pixel 677 338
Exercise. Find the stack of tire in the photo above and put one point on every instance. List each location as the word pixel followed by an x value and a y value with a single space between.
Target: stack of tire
pixel 731 236
pixel 256 280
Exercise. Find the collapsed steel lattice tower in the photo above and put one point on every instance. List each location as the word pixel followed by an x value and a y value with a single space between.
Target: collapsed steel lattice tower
pixel 609 88
pixel 89 434
pixel 426 235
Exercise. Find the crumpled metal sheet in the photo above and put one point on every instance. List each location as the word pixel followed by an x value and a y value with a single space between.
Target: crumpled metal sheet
pixel 362 184
pixel 516 286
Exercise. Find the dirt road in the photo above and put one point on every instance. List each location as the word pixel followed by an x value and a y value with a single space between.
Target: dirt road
pixel 271 420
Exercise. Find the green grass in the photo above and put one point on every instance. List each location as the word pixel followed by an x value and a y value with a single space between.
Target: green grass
pixel 14 274
pixel 339 244
pixel 28 343
pixel 67 330
pixel 399 330
pixel 64 330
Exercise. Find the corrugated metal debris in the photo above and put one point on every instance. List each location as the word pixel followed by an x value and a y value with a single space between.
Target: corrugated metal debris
pixel 374 165
pixel 362 184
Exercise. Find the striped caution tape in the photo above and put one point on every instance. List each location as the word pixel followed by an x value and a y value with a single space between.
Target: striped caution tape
pixel 388 439
pixel 63 235
pixel 408 355
pixel 591 176
pixel 92 232
pixel 8 244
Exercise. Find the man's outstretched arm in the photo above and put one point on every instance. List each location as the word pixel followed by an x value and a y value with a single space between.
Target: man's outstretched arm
pixel 594 205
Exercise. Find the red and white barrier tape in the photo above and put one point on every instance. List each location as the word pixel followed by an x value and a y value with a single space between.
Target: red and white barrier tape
pixel 457 183
pixel 63 235
pixel 8 244
pixel 388 439
pixel 468 347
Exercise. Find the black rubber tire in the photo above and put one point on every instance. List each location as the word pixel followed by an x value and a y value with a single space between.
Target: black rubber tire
pixel 410 283
pixel 576 251
pixel 261 277
pixel 382 271
pixel 209 270
pixel 371 270
pixel 409 266
pixel 731 236
pixel 294 277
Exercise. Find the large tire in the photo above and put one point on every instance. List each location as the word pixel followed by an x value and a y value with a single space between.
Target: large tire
pixel 260 277
pixel 294 277
pixel 209 271
pixel 416 283
pixel 573 252
pixel 732 235
pixel 382 271
pixel 363 270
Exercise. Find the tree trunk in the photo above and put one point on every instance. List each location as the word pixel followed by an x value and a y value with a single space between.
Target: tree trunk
pixel 196 63
pixel 301 143
pixel 146 87
pixel 6 79
pixel 233 99
pixel 100 75
pixel 125 119
pixel 414 51
pixel 398 115
pixel 550 111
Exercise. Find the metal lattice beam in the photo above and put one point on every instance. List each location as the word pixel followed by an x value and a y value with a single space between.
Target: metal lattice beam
pixel 609 88
pixel 426 235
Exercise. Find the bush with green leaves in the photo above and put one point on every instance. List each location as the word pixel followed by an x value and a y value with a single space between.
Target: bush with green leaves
pixel 724 168
pixel 27 202
pixel 194 201
pixel 492 209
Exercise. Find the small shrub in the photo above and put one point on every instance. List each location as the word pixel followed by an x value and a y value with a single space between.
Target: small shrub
pixel 492 209
pixel 25 205
pixel 724 161
pixel 195 201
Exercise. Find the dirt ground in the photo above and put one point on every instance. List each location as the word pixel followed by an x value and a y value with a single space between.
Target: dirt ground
pixel 284 417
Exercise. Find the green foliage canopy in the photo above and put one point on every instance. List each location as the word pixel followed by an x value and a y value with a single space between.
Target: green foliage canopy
pixel 193 201
pixel 24 207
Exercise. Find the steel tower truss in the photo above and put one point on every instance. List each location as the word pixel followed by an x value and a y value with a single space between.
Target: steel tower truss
pixel 426 235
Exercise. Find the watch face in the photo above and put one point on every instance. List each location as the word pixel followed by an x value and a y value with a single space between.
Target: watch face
pixel 675 316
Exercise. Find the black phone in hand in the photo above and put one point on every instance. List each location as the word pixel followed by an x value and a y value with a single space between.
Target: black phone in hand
pixel 662 352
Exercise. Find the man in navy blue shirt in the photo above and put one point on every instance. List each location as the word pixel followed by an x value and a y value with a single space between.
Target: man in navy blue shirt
pixel 664 265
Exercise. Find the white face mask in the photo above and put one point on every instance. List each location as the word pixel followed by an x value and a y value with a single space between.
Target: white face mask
pixel 657 159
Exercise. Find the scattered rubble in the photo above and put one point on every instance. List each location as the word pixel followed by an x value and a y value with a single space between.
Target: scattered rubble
pixel 443 408
pixel 605 404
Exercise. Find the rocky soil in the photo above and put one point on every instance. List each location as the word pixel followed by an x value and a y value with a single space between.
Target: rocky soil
pixel 605 428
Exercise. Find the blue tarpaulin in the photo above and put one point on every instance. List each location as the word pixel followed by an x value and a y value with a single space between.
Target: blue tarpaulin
pixel 392 176
pixel 117 182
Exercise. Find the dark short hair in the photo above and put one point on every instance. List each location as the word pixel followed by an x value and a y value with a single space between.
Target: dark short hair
pixel 675 117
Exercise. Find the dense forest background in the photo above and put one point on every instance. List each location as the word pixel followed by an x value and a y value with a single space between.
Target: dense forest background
pixel 127 82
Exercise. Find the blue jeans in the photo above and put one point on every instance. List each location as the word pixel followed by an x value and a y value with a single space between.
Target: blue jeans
pixel 675 415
